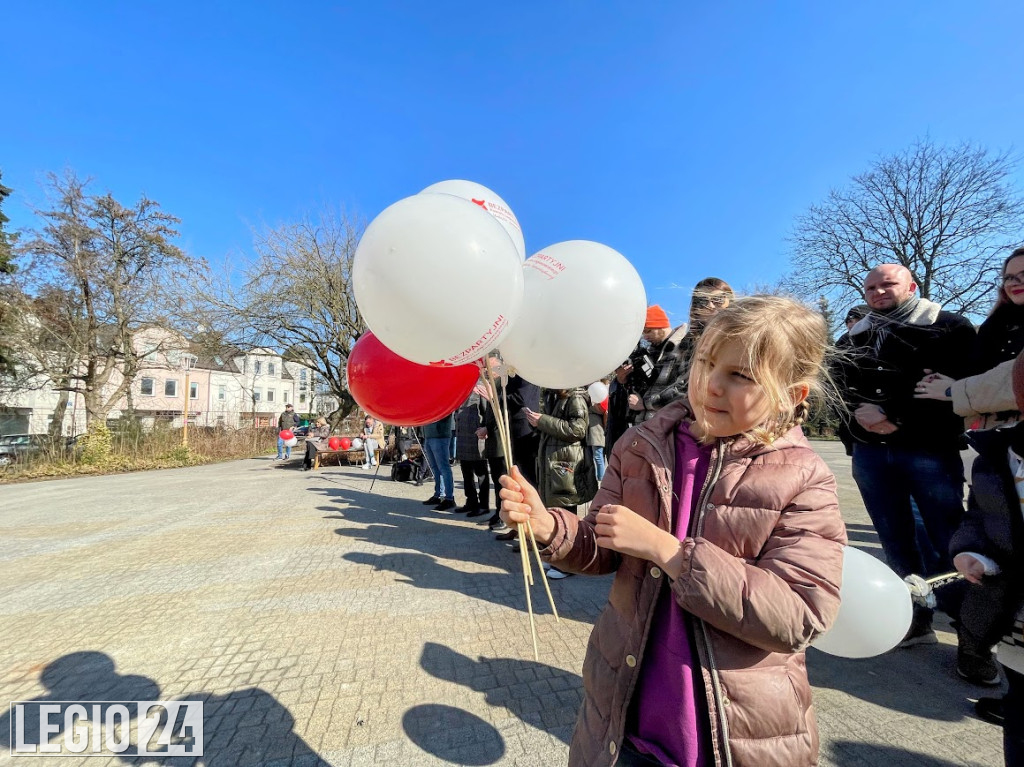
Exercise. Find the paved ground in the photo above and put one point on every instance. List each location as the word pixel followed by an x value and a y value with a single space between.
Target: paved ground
pixel 323 622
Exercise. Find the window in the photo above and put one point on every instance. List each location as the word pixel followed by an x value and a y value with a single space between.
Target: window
pixel 302 375
pixel 256 367
pixel 193 391
pixel 171 388
pixel 147 387
pixel 222 392
pixel 270 395
pixel 255 395
pixel 270 369
pixel 302 398
pixel 219 360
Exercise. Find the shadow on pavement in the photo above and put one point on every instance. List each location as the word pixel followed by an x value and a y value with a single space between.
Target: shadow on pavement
pixel 861 534
pixel 919 681
pixel 454 735
pixel 246 726
pixel 847 753
pixel 540 695
pixel 426 539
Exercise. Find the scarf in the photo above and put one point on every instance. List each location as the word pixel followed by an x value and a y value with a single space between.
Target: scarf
pixel 914 311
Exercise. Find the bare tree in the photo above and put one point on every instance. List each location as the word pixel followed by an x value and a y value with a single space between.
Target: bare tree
pixel 95 273
pixel 942 212
pixel 295 294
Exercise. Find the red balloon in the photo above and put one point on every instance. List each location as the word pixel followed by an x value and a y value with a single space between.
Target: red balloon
pixel 286 434
pixel 343 442
pixel 604 405
pixel 334 443
pixel 402 393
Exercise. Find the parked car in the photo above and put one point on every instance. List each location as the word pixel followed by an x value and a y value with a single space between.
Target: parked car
pixel 301 431
pixel 17 447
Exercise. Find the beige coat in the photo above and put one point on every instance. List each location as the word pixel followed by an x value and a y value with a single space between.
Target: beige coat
pixel 986 400
pixel 761 579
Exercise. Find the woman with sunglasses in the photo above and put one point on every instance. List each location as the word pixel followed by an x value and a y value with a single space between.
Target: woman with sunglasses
pixel 986 400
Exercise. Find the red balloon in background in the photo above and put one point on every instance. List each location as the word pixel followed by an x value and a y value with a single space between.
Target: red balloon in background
pixel 286 434
pixel 402 393
pixel 334 443
pixel 604 406
pixel 343 442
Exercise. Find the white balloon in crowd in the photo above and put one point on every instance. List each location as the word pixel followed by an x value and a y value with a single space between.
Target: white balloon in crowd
pixel 357 444
pixel 875 613
pixel 482 196
pixel 598 392
pixel 291 442
pixel 437 279
pixel 583 312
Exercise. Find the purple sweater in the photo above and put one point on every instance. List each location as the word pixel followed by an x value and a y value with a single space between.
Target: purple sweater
pixel 667 718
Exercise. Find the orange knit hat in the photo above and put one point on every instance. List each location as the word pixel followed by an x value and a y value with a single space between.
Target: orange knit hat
pixel 656 318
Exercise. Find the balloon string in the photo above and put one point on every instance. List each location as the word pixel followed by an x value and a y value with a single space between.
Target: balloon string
pixel 525 537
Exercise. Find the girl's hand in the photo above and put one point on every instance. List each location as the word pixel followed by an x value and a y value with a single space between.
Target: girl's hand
pixel 933 386
pixel 623 530
pixel 531 417
pixel 520 502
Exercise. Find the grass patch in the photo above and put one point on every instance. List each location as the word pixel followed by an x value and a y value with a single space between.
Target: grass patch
pixel 106 453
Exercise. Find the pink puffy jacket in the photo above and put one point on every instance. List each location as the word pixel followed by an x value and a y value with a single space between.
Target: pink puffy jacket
pixel 761 577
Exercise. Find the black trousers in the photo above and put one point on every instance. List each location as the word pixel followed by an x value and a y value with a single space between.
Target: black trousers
pixel 524 453
pixel 478 491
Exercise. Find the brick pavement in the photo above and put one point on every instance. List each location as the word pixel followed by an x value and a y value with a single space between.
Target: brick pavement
pixel 323 623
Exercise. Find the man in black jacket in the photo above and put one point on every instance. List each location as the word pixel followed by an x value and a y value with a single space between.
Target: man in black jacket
pixel 904 447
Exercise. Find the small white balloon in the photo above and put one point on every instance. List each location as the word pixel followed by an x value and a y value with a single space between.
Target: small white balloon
pixel 598 392
pixel 875 612
pixel 437 279
pixel 489 201
pixel 357 444
pixel 556 342
pixel 291 442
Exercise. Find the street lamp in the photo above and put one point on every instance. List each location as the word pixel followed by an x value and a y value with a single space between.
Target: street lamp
pixel 188 362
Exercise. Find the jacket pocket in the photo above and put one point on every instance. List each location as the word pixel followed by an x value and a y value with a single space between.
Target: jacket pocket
pixel 562 478
pixel 763 703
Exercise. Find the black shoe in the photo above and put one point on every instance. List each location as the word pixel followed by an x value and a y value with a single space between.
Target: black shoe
pixel 920 630
pixel 991 710
pixel 445 505
pixel 477 513
pixel 432 500
pixel 977 670
pixel 501 527
pixel 467 509
pixel 509 535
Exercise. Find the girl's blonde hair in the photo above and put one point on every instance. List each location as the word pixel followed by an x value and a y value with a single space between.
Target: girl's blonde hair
pixel 321 421
pixel 787 344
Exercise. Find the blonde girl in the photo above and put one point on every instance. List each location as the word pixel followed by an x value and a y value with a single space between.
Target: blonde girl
pixel 722 527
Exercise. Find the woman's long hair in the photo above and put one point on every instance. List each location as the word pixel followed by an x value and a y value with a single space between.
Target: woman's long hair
pixel 1001 298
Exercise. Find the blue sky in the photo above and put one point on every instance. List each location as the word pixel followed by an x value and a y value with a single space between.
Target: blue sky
pixel 687 135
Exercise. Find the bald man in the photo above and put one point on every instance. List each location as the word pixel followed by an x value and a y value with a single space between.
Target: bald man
pixel 906 448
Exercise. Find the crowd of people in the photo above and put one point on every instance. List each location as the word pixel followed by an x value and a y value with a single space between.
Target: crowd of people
pixel 695 484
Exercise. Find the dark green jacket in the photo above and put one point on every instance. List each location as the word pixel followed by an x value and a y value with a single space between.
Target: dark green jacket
pixel 565 470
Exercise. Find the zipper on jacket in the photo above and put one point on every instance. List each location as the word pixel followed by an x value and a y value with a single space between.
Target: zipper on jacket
pixel 698 529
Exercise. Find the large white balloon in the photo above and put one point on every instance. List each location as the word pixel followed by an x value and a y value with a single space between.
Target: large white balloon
pixel 489 201
pixel 583 312
pixel 875 612
pixel 357 444
pixel 437 279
